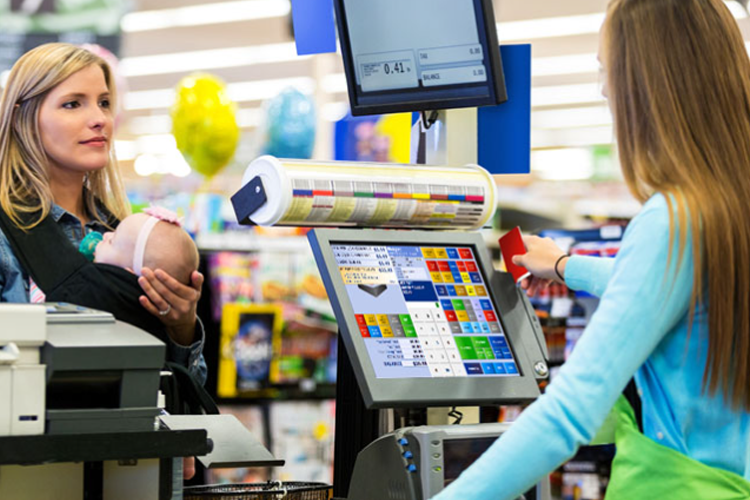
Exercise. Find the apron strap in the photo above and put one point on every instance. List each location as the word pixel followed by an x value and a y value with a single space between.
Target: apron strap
pixel 631 394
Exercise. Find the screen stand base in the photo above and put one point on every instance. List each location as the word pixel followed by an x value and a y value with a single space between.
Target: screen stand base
pixel 356 426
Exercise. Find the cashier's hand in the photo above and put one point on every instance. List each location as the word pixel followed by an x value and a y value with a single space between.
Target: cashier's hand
pixel 540 258
pixel 188 468
pixel 172 302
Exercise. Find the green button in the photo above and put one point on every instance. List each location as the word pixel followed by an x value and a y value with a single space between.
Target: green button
pixel 405 320
pixel 465 347
pixel 458 305
pixel 410 331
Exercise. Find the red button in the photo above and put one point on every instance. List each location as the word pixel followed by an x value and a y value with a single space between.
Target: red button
pixel 490 316
pixel 361 320
pixel 471 267
pixel 465 253
pixel 443 266
pixel 461 266
pixel 432 265
pixel 451 316
pixel 364 331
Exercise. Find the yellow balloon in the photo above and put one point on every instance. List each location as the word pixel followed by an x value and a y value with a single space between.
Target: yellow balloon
pixel 204 123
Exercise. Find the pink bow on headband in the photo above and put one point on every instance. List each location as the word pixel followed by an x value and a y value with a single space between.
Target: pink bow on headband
pixel 164 214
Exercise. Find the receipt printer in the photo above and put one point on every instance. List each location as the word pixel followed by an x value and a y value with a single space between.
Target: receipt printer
pixel 22 376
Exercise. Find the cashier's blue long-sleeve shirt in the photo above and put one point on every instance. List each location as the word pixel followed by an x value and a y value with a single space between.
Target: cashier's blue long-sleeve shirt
pixel 640 328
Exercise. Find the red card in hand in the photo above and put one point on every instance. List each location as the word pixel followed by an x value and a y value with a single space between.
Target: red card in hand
pixel 512 244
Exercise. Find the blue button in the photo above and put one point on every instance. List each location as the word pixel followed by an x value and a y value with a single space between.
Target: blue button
pixel 408 454
pixel 451 290
pixel 403 442
pixel 441 290
pixel 488 368
pixel 411 468
pixel 511 368
pixel 452 253
pixel 500 369
pixel 473 368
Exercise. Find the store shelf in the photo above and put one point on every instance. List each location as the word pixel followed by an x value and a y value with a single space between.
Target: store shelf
pixel 249 241
pixel 306 390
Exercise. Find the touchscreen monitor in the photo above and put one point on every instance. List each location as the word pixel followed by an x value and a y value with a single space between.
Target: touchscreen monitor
pixel 424 311
pixel 425 319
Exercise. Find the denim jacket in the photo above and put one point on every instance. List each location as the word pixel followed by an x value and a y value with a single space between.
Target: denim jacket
pixel 14 287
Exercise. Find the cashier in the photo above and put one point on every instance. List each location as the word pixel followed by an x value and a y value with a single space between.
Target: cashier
pixel 675 302
pixel 57 159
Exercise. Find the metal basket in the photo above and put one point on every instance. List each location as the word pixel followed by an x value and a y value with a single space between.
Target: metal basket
pixel 272 490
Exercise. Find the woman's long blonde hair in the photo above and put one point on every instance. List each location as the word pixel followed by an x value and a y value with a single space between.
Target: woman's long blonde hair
pixel 24 179
pixel 679 86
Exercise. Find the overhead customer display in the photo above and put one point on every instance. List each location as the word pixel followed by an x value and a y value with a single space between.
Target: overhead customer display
pixel 416 55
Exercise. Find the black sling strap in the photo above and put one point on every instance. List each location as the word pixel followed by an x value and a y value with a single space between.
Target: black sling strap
pixel 65 275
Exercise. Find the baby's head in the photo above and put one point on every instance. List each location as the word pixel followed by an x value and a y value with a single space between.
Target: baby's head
pixel 143 240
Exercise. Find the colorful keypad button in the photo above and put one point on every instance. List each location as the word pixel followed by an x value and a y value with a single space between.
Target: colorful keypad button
pixel 465 253
pixel 473 369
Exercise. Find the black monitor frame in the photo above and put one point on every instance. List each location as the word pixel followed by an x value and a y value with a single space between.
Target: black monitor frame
pixel 496 79
pixel 427 392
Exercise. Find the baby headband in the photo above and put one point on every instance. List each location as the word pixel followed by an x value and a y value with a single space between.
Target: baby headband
pixel 156 214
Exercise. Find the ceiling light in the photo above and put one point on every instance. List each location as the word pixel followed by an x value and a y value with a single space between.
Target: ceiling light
pixel 196 15
pixel 181 62
pixel 737 10
pixel 550 27
pixel 566 94
pixel 563 164
pixel 575 137
pixel 571 117
pixel 125 150
pixel 564 65
pixel 238 92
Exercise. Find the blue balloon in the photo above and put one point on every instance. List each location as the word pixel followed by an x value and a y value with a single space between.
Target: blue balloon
pixel 290 125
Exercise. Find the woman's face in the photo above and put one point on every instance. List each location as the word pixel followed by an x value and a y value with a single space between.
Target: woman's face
pixel 75 121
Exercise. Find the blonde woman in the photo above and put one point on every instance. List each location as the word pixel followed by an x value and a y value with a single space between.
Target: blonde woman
pixel 675 303
pixel 57 160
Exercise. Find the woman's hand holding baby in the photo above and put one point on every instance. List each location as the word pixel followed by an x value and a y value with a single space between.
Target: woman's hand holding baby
pixel 164 293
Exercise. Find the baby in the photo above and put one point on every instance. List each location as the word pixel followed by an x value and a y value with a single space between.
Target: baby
pixel 153 239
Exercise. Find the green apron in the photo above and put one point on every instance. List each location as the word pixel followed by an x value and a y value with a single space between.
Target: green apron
pixel 643 469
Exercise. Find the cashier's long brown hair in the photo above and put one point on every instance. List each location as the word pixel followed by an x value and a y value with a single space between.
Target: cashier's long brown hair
pixel 678 77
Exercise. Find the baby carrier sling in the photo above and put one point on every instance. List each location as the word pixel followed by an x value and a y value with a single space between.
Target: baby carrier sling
pixel 65 275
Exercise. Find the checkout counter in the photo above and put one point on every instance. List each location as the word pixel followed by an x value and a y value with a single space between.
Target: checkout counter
pixel 80 416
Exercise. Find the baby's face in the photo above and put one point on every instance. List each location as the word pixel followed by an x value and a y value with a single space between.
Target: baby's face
pixel 117 247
